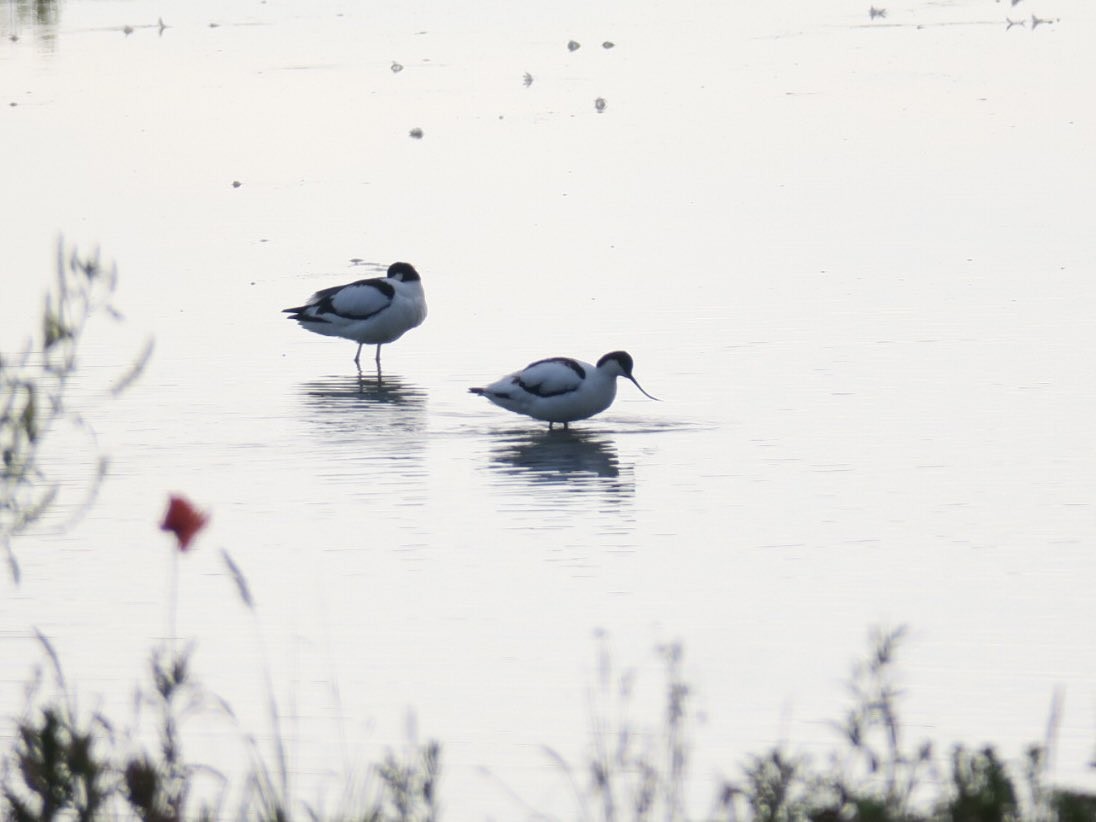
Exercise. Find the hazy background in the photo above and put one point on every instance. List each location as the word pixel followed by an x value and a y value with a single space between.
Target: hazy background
pixel 854 258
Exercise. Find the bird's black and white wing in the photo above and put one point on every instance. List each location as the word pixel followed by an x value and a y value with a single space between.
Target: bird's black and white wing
pixel 356 301
pixel 551 377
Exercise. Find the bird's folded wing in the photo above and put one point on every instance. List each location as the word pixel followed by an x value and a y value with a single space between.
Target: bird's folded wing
pixel 549 378
pixel 357 301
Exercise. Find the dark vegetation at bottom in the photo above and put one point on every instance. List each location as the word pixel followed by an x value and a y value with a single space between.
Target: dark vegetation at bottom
pixel 62 765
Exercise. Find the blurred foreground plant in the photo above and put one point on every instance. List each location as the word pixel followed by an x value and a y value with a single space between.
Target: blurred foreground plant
pixel 409 787
pixel 883 771
pixel 64 765
pixel 635 772
pixel 183 520
pixel 877 777
pixel 35 385
pixel 403 788
pixel 59 765
pixel 158 786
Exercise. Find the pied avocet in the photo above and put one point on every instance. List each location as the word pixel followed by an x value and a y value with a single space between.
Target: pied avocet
pixel 560 389
pixel 369 312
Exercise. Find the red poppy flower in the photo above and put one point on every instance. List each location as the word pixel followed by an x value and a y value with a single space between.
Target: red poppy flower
pixel 183 520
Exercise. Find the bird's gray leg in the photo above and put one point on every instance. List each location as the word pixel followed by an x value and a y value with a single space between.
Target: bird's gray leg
pixel 550 424
pixel 378 357
pixel 564 426
pixel 358 360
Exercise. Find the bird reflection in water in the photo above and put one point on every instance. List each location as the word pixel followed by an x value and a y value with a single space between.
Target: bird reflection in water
pixel 362 428
pixel 364 402
pixel 580 460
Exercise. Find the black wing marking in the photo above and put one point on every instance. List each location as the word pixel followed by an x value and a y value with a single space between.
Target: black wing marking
pixel 548 384
pixel 356 305
pixel 572 364
pixel 346 301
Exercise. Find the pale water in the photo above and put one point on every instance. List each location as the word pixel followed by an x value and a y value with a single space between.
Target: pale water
pixel 853 257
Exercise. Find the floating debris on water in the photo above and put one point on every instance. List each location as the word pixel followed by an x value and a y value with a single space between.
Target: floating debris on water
pixel 416 133
pixel 236 184
pixel 608 44
pixel 573 45
pixel 527 79
pixel 599 104
pixel 873 12
pixel 396 67
pixel 127 30
pixel 1009 23
pixel 161 24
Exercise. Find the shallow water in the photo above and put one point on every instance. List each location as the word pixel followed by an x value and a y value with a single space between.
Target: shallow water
pixel 853 258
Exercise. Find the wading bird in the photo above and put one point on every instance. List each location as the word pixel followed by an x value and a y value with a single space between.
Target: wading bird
pixel 369 312
pixel 560 389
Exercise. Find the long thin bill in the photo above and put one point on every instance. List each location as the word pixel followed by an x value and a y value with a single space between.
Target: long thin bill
pixel 641 391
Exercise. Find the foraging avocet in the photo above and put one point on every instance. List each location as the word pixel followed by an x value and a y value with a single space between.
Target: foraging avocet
pixel 560 389
pixel 369 312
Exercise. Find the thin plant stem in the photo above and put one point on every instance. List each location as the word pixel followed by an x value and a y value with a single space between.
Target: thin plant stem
pixel 172 602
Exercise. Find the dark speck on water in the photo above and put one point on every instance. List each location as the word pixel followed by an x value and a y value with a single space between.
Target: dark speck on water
pixel 416 133
pixel 396 67
pixel 599 104
pixel 608 44
pixel 236 184
pixel 573 46
pixel 527 79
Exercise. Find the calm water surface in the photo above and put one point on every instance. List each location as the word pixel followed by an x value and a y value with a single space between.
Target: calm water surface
pixel 854 261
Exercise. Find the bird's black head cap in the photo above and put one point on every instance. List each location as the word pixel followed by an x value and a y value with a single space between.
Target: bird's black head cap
pixel 622 357
pixel 403 271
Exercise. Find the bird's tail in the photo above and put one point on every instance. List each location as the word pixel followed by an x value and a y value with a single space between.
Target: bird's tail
pixel 303 316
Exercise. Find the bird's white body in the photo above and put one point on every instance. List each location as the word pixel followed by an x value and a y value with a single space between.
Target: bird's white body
pixel 369 312
pixel 561 389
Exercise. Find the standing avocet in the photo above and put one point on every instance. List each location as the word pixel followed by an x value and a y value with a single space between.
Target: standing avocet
pixel 560 389
pixel 369 312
